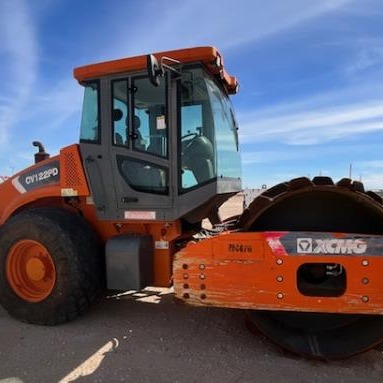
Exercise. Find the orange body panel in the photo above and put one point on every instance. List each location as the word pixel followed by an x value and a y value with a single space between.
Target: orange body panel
pixel 68 189
pixel 164 235
pixel 73 181
pixel 207 55
pixel 54 178
pixel 245 270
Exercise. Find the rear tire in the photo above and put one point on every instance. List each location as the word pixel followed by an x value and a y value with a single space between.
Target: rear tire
pixel 50 266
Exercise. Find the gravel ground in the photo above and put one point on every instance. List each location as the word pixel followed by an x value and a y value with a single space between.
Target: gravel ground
pixel 150 338
pixel 126 340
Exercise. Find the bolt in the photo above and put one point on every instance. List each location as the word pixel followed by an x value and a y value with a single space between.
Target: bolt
pixel 365 281
pixel 186 286
pixel 365 262
pixel 280 295
pixel 186 276
pixel 185 266
pixel 279 261
pixel 365 298
pixel 186 296
pixel 202 276
pixel 203 296
pixel 279 278
pixel 202 267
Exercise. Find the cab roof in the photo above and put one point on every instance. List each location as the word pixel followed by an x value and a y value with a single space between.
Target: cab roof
pixel 209 56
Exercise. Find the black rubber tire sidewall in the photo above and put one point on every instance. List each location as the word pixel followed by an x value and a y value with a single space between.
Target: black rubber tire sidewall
pixel 69 244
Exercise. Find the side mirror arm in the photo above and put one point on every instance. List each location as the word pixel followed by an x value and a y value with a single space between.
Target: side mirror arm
pixel 156 69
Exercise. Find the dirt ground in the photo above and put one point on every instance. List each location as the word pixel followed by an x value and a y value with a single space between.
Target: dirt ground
pixel 147 337
pixel 126 340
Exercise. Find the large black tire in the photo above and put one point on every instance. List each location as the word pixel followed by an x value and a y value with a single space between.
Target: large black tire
pixel 74 251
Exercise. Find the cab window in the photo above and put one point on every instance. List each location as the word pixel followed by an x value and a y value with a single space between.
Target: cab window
pixel 90 121
pixel 196 138
pixel 149 126
pixel 144 176
pixel 120 116
pixel 191 120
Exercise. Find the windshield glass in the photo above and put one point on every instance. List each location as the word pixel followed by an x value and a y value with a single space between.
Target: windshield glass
pixel 226 132
pixel 209 140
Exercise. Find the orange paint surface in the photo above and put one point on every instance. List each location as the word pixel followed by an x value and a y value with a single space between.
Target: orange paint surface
pixel 219 272
pixel 207 55
pixel 71 192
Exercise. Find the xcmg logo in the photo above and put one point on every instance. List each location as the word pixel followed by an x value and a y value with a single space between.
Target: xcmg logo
pixel 331 246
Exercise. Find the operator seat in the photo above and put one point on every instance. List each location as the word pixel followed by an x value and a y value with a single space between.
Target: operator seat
pixel 138 174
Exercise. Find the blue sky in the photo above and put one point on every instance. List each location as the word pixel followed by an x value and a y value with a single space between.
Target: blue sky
pixel 310 72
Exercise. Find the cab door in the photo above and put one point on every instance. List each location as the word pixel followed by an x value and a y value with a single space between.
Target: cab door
pixel 139 147
pixel 124 143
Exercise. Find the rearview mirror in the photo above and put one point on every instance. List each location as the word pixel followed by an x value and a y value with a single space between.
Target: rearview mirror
pixel 155 70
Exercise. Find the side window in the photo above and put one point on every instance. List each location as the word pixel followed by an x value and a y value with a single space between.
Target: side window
pixel 191 120
pixel 90 121
pixel 120 116
pixel 149 129
pixel 144 176
pixel 196 133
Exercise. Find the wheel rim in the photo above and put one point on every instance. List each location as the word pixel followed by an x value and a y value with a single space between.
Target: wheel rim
pixel 30 270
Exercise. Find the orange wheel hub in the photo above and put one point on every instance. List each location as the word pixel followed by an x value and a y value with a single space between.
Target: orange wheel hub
pixel 30 270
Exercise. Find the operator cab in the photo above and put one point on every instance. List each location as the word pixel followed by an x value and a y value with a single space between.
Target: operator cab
pixel 160 142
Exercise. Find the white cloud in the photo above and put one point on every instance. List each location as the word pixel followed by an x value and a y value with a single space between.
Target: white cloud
pixel 18 48
pixel 168 27
pixel 53 107
pixel 372 180
pixel 309 122
pixel 365 59
pixel 365 8
pixel 225 24
pixel 377 164
pixel 272 156
pixel 370 172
